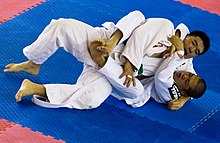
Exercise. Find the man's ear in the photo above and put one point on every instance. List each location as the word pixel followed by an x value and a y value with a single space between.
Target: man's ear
pixel 183 93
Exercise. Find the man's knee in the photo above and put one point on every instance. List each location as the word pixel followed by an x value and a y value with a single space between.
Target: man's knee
pixel 133 92
pixel 57 22
pixel 94 97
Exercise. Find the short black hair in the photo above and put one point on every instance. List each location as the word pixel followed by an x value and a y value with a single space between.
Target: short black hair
pixel 204 37
pixel 199 90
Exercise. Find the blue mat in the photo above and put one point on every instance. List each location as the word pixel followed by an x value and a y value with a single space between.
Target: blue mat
pixel 113 121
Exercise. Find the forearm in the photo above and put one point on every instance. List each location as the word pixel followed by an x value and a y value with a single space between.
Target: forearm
pixel 163 79
pixel 115 38
pixel 166 69
pixel 129 64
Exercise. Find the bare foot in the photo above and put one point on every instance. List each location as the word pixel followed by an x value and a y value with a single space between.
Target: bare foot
pixel 25 90
pixel 28 67
pixel 96 51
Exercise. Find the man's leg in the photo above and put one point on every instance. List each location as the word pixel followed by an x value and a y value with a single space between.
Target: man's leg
pixel 74 36
pixel 85 94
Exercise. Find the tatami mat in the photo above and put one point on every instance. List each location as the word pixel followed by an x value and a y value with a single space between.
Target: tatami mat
pixel 113 121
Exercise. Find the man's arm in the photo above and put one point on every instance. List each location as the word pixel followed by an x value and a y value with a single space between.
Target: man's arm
pixel 128 72
pixel 165 87
pixel 177 45
pixel 99 49
pixel 181 31
pixel 111 43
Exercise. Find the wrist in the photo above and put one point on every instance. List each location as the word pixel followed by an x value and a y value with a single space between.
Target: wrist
pixel 116 37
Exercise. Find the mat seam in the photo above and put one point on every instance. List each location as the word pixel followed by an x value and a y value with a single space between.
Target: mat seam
pixel 204 119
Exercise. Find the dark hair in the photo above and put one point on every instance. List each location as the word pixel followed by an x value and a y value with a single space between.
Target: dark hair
pixel 198 90
pixel 204 37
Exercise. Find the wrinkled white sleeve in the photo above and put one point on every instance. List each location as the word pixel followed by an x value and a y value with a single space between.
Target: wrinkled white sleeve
pixel 187 66
pixel 183 30
pixel 127 24
pixel 190 67
pixel 164 78
pixel 134 49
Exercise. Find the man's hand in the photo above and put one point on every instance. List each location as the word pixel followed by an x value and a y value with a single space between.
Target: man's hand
pixel 177 45
pixel 97 55
pixel 110 44
pixel 169 51
pixel 107 47
pixel 129 73
pixel 177 42
pixel 176 104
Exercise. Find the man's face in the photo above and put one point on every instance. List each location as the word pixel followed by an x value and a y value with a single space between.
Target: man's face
pixel 193 46
pixel 185 80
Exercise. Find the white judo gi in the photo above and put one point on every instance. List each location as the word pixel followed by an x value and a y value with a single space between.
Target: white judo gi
pixel 146 40
pixel 151 38
pixel 74 36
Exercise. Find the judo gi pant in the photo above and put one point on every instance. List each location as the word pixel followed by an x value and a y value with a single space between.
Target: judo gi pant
pixel 92 87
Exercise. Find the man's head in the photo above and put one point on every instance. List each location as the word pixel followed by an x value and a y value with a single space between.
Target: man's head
pixel 196 43
pixel 190 84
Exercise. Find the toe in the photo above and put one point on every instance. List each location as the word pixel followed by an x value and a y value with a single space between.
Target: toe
pixel 9 65
pixel 18 96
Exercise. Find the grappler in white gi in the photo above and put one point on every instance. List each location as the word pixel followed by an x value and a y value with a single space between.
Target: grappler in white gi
pixel 75 37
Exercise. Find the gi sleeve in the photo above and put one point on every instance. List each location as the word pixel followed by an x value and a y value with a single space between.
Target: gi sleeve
pixel 165 86
pixel 127 24
pixel 134 49
pixel 183 30
pixel 187 65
